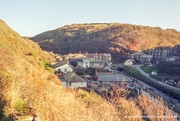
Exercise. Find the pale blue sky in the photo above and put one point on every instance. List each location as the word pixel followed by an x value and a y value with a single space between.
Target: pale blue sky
pixel 31 17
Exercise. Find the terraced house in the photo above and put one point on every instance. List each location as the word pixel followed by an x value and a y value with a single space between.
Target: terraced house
pixel 163 54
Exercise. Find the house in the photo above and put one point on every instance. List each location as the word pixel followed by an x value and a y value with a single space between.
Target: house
pixel 173 59
pixel 129 62
pixel 112 78
pixel 63 81
pixel 74 81
pixel 97 63
pixel 63 67
pixel 146 59
pixel 81 62
pixel 105 57
pixel 136 56
pixel 161 54
pixel 86 63
pixel 86 60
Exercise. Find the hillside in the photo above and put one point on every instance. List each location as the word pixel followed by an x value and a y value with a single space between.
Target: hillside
pixel 26 79
pixel 27 82
pixel 113 38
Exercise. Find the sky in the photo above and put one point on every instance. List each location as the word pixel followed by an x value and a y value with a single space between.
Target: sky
pixel 32 17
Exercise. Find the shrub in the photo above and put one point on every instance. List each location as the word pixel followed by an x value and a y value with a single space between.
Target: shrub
pixel 32 54
pixel 49 69
pixel 79 72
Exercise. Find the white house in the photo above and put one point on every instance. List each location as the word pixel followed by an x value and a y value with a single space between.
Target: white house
pixel 74 81
pixel 129 62
pixel 86 63
pixel 82 62
pixel 63 67
pixel 90 60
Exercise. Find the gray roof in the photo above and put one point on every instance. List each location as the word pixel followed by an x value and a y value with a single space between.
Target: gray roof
pixel 96 61
pixel 112 77
pixel 146 56
pixel 62 79
pixel 58 65
pixel 72 77
pixel 138 53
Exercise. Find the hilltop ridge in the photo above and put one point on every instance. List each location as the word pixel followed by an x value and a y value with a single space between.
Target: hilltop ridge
pixel 114 38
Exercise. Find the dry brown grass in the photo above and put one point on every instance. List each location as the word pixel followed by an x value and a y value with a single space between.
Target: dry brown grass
pixel 23 80
pixel 155 109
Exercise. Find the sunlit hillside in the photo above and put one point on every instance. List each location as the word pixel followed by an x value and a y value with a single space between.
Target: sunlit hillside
pixel 27 82
pixel 107 37
pixel 26 79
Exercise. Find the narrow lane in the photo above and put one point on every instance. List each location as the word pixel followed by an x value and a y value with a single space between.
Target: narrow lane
pixel 138 67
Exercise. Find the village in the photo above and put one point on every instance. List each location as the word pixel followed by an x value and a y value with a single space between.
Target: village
pixel 96 72
pixel 72 68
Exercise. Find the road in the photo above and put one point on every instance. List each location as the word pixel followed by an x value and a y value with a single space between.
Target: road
pixel 157 91
pixel 138 67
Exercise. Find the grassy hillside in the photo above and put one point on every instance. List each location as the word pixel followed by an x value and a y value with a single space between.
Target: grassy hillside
pixel 26 79
pixel 113 37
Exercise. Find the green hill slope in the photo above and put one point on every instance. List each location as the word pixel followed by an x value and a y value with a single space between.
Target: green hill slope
pixel 113 38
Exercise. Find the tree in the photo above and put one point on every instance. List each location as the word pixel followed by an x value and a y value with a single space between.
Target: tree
pixel 91 71
pixel 169 67
pixel 74 63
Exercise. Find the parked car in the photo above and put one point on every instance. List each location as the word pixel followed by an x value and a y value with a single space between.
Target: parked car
pixel 154 73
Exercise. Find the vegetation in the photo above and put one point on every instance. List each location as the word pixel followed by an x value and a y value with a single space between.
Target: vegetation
pixel 163 77
pixel 169 68
pixel 154 109
pixel 89 71
pixel 134 71
pixel 166 89
pixel 149 69
pixel 25 80
pixel 113 38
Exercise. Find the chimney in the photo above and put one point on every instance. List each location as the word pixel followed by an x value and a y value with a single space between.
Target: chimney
pixel 95 75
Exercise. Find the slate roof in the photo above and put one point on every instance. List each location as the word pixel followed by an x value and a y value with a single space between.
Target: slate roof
pixel 138 53
pixel 58 65
pixel 76 56
pixel 72 77
pixel 62 79
pixel 112 77
pixel 146 56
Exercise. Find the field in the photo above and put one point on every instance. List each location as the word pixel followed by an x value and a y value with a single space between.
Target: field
pixel 149 69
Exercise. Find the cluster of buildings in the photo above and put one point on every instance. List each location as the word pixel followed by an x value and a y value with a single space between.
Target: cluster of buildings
pixel 154 56
pixel 64 69
pixel 87 60
pixel 102 80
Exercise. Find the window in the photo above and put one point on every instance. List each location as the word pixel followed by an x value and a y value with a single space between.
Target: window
pixel 65 70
